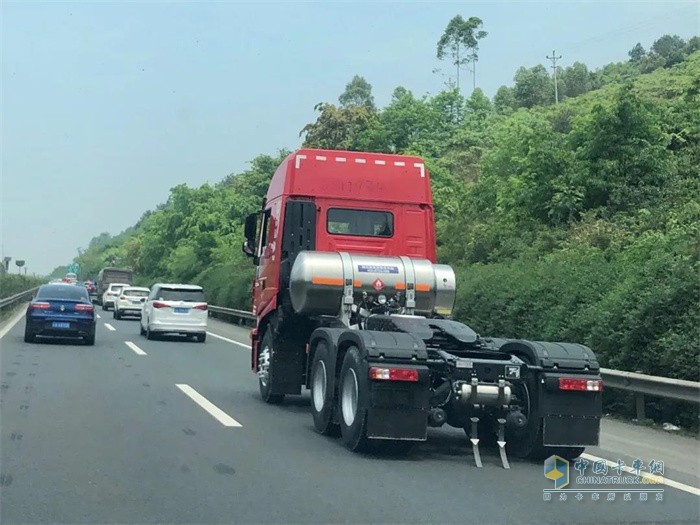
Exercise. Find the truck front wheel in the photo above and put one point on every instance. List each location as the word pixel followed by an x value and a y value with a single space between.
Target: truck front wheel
pixel 352 401
pixel 265 371
pixel 322 397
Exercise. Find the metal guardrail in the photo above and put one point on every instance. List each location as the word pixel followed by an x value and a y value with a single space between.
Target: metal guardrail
pixel 640 384
pixel 14 299
pixel 240 316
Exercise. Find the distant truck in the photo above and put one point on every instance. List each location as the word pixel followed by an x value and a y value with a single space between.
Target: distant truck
pixel 108 276
pixel 351 304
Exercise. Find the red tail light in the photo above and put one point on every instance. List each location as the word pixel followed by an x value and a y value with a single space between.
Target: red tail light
pixel 201 307
pixel 111 293
pixel 39 306
pixel 394 374
pixel 83 307
pixel 158 304
pixel 122 298
pixel 580 384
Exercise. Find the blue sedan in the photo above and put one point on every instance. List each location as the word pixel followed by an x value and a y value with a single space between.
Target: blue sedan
pixel 61 310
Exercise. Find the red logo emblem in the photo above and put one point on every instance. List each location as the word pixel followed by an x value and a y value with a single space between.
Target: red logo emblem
pixel 378 284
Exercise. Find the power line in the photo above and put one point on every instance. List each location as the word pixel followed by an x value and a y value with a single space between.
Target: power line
pixel 554 59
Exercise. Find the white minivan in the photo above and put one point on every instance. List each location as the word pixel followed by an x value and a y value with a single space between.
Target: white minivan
pixel 175 309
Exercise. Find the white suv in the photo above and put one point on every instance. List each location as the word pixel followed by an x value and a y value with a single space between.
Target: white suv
pixel 175 309
pixel 111 294
pixel 130 301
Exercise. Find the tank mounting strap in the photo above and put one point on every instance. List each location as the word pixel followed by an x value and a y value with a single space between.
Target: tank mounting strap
pixel 410 284
pixel 348 299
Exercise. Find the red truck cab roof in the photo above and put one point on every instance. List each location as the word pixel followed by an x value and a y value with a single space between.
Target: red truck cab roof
pixel 371 203
pixel 353 175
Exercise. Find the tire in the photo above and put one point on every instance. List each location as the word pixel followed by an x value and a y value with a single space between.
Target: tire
pixel 141 330
pixel 89 340
pixel 115 315
pixel 353 390
pixel 322 397
pixel 201 338
pixel 104 308
pixel 29 337
pixel 149 334
pixel 265 371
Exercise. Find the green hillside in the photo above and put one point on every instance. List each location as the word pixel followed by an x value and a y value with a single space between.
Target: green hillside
pixel 577 221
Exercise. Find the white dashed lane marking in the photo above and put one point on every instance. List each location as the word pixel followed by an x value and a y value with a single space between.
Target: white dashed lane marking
pixel 135 348
pixel 218 414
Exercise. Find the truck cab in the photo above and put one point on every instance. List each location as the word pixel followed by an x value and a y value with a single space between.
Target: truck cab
pixel 337 201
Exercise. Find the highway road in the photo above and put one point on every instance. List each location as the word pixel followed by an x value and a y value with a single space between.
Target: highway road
pixel 172 431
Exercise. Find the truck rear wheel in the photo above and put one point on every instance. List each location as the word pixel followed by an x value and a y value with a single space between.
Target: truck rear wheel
pixel 352 401
pixel 265 371
pixel 322 397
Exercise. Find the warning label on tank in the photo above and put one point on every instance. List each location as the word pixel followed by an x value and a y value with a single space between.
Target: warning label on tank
pixel 376 268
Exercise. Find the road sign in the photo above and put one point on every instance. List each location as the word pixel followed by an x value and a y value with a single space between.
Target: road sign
pixel 74 268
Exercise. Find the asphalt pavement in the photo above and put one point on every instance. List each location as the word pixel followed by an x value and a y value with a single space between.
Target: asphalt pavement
pixel 173 431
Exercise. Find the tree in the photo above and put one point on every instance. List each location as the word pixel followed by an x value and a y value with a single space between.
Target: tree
pixel 338 128
pixel 692 46
pixel 461 41
pixel 576 80
pixel 533 87
pixel 504 100
pixel 358 92
pixel 671 48
pixel 478 104
pixel 636 53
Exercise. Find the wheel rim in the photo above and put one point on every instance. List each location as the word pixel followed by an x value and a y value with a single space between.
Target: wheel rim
pixel 348 400
pixel 264 366
pixel 318 388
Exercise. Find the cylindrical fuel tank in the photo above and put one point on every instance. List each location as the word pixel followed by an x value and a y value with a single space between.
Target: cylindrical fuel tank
pixel 317 281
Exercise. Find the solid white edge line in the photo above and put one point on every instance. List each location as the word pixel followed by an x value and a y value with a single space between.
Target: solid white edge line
pixel 110 327
pixel 221 416
pixel 11 323
pixel 135 348
pixel 229 340
pixel 666 481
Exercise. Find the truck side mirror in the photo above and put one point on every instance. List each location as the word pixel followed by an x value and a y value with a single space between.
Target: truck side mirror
pixel 251 223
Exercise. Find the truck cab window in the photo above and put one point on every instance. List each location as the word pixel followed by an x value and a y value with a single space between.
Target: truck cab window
pixel 264 232
pixel 365 223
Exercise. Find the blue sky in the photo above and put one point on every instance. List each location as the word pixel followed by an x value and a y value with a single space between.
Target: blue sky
pixel 107 105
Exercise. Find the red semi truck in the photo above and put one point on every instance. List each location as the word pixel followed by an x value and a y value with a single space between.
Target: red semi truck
pixel 351 304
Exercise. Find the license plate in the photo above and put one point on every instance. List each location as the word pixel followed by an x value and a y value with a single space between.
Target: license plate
pixel 181 310
pixel 57 324
pixel 135 302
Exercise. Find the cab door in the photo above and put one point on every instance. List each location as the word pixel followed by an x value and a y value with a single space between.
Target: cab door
pixel 266 283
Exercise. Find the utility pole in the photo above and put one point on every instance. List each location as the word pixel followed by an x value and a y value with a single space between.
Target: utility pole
pixel 473 61
pixel 554 59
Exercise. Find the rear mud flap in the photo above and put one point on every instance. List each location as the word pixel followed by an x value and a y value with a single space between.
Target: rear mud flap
pixel 401 424
pixel 571 431
pixel 398 411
